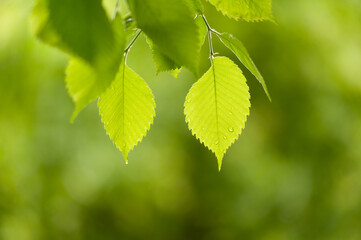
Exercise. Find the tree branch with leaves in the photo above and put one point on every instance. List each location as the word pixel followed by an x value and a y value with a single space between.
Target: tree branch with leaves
pixel 217 105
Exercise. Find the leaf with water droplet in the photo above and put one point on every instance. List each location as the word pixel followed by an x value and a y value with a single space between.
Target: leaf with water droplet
pixel 221 88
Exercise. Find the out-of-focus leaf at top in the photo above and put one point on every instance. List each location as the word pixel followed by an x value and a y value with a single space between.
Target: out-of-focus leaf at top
pixel 203 31
pixel 170 25
pixel 162 62
pixel 84 82
pixel 195 5
pixel 249 10
pixel 80 28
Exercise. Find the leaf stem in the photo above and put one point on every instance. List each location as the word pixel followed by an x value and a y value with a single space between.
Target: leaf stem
pixel 127 49
pixel 209 30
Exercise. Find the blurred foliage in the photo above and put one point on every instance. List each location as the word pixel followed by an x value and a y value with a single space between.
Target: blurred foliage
pixel 295 173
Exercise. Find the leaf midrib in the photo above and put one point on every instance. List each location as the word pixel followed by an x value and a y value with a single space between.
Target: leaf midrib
pixel 123 108
pixel 216 102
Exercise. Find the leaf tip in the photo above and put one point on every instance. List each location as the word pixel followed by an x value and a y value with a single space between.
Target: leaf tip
pixel 266 91
pixel 125 156
pixel 219 159
pixel 175 72
pixel 77 109
pixel 219 166
pixel 73 116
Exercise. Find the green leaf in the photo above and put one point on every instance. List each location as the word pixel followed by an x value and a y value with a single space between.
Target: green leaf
pixel 165 64
pixel 162 62
pixel 175 72
pixel 203 31
pixel 124 9
pixel 127 109
pixel 170 25
pixel 78 27
pixel 84 82
pixel 237 47
pixel 249 10
pixel 196 6
pixel 217 106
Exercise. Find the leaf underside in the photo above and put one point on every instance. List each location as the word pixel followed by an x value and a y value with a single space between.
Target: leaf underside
pixel 165 64
pixel 248 10
pixel 237 47
pixel 217 106
pixel 195 5
pixel 127 109
pixel 171 27
pixel 80 28
pixel 162 62
pixel 84 82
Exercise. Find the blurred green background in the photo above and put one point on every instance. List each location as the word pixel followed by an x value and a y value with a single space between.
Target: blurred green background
pixel 295 172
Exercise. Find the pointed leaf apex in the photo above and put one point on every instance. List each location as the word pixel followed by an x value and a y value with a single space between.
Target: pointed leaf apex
pixel 267 93
pixel 125 156
pixel 72 119
pixel 75 114
pixel 219 163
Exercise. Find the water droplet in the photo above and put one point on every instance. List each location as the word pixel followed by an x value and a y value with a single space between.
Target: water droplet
pixel 126 162
pixel 188 101
pixel 224 137
pixel 231 129
pixel 217 143
pixel 230 113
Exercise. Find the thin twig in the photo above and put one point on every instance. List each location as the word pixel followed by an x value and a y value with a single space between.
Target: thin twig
pixel 127 49
pixel 210 31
